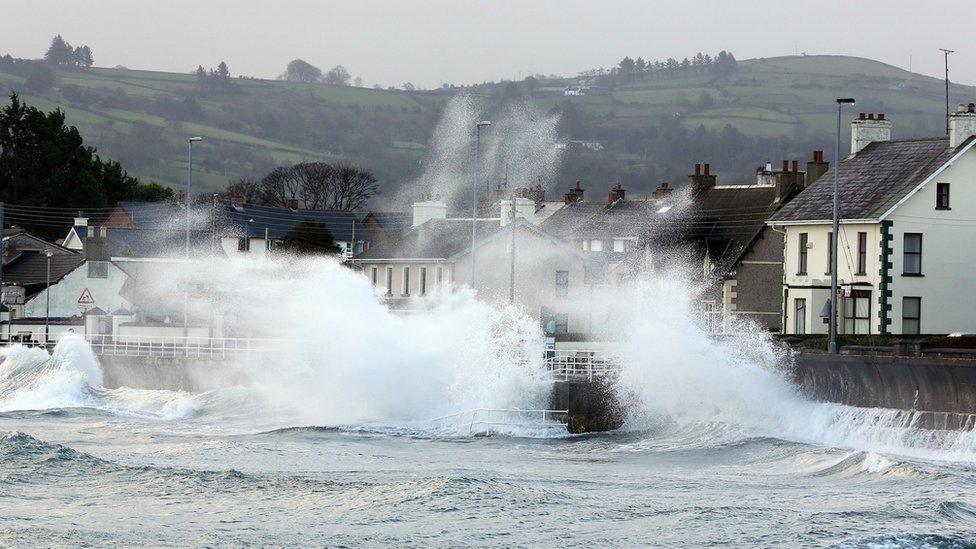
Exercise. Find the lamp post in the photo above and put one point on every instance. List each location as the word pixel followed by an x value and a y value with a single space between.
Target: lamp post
pixel 186 283
pixel 832 346
pixel 47 294
pixel 247 234
pixel 474 192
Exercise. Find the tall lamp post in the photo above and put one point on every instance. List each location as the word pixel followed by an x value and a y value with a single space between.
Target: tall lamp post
pixel 47 294
pixel 832 346
pixel 474 192
pixel 186 283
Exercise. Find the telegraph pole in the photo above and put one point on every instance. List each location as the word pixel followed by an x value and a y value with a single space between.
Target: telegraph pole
pixel 947 52
pixel 511 278
pixel 832 345
pixel 3 248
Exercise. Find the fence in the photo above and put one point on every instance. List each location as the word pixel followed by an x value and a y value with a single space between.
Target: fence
pixel 487 420
pixel 581 365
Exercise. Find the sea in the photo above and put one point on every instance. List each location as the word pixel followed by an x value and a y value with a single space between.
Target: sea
pixel 83 465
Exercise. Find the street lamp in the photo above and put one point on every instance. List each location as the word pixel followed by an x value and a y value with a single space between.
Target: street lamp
pixel 47 291
pixel 474 192
pixel 832 346
pixel 247 235
pixel 186 284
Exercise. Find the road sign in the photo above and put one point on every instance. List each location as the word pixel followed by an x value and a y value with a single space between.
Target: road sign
pixel 86 298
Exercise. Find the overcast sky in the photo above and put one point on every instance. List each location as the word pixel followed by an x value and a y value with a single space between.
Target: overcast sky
pixel 464 41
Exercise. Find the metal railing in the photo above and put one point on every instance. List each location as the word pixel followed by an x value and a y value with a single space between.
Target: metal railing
pixel 487 420
pixel 191 346
pixel 582 365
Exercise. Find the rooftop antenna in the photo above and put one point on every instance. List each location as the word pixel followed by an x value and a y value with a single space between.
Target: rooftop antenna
pixel 947 52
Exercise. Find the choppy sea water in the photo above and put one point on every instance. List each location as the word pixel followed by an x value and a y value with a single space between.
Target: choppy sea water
pixel 84 465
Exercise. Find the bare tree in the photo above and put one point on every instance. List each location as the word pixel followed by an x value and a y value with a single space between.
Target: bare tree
pixel 353 186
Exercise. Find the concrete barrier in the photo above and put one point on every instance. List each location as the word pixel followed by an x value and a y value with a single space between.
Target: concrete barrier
pixel 937 385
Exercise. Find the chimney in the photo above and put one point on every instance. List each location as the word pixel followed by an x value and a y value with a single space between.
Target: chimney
pixel 293 203
pixel 616 193
pixel 962 124
pixel 866 129
pixel 235 198
pixel 662 191
pixel 537 194
pixel 699 180
pixel 427 210
pixel 816 168
pixel 575 194
pixel 788 182
pixel 81 221
pixel 524 209
pixel 497 193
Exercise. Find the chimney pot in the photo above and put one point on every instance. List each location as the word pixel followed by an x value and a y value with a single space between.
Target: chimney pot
pixel 708 169
pixel 881 116
pixel 577 184
pixel 697 169
pixel 796 166
pixel 786 165
pixel 862 116
pixel 972 107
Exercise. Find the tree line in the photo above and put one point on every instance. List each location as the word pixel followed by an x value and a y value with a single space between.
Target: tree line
pixel 629 69
pixel 314 185
pixel 61 54
pixel 299 70
pixel 45 163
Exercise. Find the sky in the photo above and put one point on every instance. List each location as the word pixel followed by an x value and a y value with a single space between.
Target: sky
pixel 431 42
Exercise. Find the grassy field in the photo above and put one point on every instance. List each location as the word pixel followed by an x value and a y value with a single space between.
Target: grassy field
pixel 143 117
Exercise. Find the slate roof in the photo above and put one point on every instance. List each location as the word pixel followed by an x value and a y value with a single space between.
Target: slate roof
pixel 564 221
pixel 147 242
pixel 435 239
pixel 279 221
pixel 871 182
pixel 726 219
pixel 623 218
pixel 392 223
pixel 152 214
pixel 29 269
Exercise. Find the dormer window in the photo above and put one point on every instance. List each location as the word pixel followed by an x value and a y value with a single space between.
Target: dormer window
pixel 942 196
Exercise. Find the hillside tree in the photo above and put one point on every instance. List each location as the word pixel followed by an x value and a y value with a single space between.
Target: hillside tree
pixel 337 76
pixel 299 70
pixel 60 52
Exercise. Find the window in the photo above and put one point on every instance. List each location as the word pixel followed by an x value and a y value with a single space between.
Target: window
pixel 389 281
pixel 912 259
pixel 373 276
pixel 97 269
pixel 243 244
pixel 423 280
pixel 857 312
pixel 911 315
pixel 830 252
pixel 942 196
pixel 562 283
pixel 562 323
pixel 596 245
pixel 618 245
pixel 799 316
pixel 440 276
pixel 406 281
pixel 862 254
pixel 802 265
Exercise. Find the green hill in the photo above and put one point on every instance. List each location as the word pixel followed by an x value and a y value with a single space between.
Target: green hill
pixel 652 127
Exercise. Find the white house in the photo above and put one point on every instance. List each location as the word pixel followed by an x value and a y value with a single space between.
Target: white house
pixel 248 231
pixel 905 259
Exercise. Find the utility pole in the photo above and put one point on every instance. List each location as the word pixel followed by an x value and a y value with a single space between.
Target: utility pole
pixel 352 245
pixel 47 294
pixel 186 283
pixel 511 277
pixel 832 346
pixel 213 258
pixel 947 52
pixel 474 193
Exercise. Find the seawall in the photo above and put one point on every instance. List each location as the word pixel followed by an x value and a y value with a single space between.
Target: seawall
pixel 943 390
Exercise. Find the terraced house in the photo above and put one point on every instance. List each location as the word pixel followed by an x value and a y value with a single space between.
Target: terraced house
pixel 908 223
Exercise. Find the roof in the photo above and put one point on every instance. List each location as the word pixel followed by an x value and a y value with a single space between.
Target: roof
pixel 564 221
pixel 148 214
pixel 726 219
pixel 435 239
pixel 30 268
pixel 392 223
pixel 623 218
pixel 148 242
pixel 278 221
pixel 872 181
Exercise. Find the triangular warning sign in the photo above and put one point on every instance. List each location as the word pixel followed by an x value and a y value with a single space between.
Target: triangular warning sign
pixel 86 298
